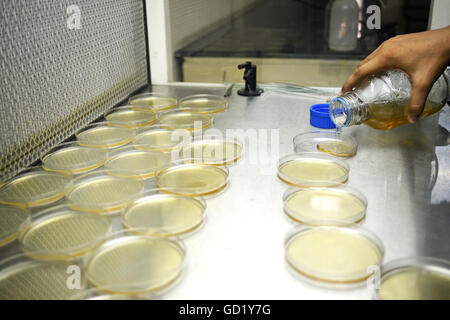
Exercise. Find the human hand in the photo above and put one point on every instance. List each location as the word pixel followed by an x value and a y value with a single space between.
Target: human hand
pixel 422 56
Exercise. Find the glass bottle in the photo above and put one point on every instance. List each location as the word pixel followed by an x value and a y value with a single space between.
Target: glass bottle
pixel 382 101
pixel 342 18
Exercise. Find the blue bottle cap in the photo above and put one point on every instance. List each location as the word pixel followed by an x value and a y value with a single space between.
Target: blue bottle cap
pixel 319 116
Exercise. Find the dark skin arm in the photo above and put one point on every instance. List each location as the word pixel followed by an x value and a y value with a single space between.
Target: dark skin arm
pixel 421 56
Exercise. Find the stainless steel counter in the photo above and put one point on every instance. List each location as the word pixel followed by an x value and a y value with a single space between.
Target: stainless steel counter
pixel 239 251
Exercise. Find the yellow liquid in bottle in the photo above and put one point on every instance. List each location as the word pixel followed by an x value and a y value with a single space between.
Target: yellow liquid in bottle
pixel 392 114
pixel 413 283
pixel 319 206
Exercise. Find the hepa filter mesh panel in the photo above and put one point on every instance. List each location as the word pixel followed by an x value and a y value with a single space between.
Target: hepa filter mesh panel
pixel 54 79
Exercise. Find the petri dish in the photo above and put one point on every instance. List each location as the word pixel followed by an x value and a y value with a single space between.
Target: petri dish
pixel 71 158
pixel 203 103
pixel 418 278
pixel 325 206
pixel 34 187
pixel 185 120
pixel 335 143
pixel 214 151
pixel 102 135
pixel 11 220
pixel 156 138
pixel 164 214
pixel 130 118
pixel 22 278
pixel 135 163
pixel 192 179
pixel 152 101
pixel 135 264
pixel 101 192
pixel 333 255
pixel 61 233
pixel 309 169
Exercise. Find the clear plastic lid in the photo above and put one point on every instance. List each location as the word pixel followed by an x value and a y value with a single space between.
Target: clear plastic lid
pixel 339 206
pixel 333 255
pixel 11 220
pixel 162 214
pixel 155 138
pixel 134 162
pixel 309 169
pixel 128 117
pixel 135 264
pixel 103 193
pixel 71 158
pixel 22 278
pixel 192 179
pixel 34 187
pixel 152 101
pixel 102 135
pixel 335 143
pixel 415 278
pixel 185 120
pixel 203 103
pixel 61 233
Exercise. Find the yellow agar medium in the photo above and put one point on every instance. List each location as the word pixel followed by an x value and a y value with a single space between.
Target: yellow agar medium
pixel 211 151
pixel 414 283
pixel 127 117
pixel 138 164
pixel 324 206
pixel 192 179
pixel 160 139
pixel 11 220
pixel 135 264
pixel 104 136
pixel 337 148
pixel 64 234
pixel 34 188
pixel 74 159
pixel 185 120
pixel 38 280
pixel 308 172
pixel 332 255
pixel 164 214
pixel 203 104
pixel 156 103
pixel 102 193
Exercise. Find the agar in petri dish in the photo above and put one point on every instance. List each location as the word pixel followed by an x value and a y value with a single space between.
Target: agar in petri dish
pixel 37 280
pixel 192 179
pixel 102 135
pixel 101 192
pixel 325 206
pixel 417 278
pixel 61 233
pixel 34 187
pixel 134 163
pixel 135 264
pixel 333 255
pixel 203 103
pixel 185 120
pixel 152 101
pixel 159 139
pixel 11 220
pixel 332 142
pixel 164 214
pixel 71 158
pixel 130 118
pixel 308 169
pixel 211 151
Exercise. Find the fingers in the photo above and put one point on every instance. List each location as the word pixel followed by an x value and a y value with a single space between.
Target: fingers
pixel 374 66
pixel 419 94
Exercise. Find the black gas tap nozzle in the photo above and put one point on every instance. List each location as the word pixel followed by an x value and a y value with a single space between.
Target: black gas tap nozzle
pixel 250 88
